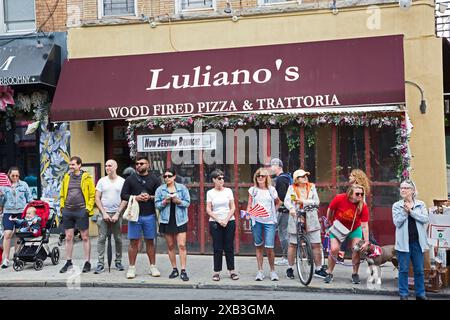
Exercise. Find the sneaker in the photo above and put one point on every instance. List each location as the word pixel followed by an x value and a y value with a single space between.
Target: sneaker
pixel 5 264
pixel 274 276
pixel 174 273
pixel 355 278
pixel 403 297
pixel 119 266
pixel 260 276
pixel 66 267
pixel 154 272
pixel 100 268
pixel 421 298
pixel 183 275
pixel 321 273
pixel 87 267
pixel 328 278
pixel 290 273
pixel 131 273
pixel 281 262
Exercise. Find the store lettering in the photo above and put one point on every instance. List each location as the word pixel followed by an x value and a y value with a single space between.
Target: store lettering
pixel 297 102
pixel 5 65
pixel 205 78
pixel 15 80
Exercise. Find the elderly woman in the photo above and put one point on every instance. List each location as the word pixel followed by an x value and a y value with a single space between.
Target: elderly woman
pixel 303 193
pixel 13 200
pixel 410 217
pixel 220 208
pixel 172 199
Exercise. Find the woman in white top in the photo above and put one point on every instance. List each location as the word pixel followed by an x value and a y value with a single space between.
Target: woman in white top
pixel 265 197
pixel 220 208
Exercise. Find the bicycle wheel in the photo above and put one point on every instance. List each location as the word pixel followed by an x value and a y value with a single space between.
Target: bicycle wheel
pixel 305 262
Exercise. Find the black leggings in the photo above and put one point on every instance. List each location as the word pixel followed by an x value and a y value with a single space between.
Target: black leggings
pixel 223 240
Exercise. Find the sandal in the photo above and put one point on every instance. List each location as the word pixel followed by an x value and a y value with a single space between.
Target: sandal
pixel 216 277
pixel 234 276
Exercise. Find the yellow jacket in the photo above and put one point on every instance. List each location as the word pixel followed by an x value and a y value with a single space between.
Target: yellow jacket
pixel 87 187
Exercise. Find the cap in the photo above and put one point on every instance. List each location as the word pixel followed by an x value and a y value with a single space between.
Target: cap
pixel 300 173
pixel 276 162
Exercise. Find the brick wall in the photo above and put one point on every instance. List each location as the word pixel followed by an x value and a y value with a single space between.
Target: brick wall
pixel 51 15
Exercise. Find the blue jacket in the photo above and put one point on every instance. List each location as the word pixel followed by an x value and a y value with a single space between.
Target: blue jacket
pixel 14 201
pixel 420 214
pixel 181 211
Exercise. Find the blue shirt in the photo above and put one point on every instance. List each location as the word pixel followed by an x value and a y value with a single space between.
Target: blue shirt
pixel 419 213
pixel 14 200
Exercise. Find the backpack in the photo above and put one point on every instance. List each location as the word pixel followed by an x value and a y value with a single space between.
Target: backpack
pixel 287 175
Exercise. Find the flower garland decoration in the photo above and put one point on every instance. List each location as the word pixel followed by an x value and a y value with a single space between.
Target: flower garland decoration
pixel 288 121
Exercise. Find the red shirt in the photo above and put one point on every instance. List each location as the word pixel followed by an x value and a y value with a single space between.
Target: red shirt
pixel 344 211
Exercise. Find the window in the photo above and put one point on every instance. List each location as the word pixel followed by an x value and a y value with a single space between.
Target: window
pixel 268 2
pixel 17 16
pixel 196 4
pixel 117 7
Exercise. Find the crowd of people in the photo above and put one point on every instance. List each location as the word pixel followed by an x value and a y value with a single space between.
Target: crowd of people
pixel 163 208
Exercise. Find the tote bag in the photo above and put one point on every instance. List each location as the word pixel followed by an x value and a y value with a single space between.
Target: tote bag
pixel 132 211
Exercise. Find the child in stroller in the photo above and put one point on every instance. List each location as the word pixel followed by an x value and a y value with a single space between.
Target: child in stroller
pixel 31 223
pixel 33 246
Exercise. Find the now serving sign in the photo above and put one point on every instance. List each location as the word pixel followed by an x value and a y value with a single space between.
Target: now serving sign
pixel 176 142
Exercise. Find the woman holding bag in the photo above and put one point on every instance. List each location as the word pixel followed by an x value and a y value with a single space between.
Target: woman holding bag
pixel 350 212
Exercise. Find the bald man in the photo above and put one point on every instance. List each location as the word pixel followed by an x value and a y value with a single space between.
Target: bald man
pixel 107 199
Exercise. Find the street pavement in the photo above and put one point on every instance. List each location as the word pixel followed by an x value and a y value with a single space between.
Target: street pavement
pixel 199 269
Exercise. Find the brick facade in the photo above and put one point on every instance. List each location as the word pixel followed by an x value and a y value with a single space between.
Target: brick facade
pixel 51 15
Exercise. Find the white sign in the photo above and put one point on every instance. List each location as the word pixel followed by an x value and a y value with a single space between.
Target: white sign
pixel 439 230
pixel 176 142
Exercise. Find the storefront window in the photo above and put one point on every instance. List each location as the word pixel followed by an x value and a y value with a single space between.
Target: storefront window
pixel 351 151
pixel 383 159
pixel 289 152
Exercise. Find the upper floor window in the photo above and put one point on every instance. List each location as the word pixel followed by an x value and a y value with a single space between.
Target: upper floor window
pixel 262 2
pixel 117 7
pixel 196 4
pixel 17 16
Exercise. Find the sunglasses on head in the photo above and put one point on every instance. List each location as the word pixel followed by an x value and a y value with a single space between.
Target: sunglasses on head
pixel 168 176
pixel 358 194
pixel 140 163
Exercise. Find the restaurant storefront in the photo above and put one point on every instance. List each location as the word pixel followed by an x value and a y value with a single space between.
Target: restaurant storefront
pixel 289 101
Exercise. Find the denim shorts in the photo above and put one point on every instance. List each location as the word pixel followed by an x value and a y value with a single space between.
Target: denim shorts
pixel 8 224
pixel 145 225
pixel 269 234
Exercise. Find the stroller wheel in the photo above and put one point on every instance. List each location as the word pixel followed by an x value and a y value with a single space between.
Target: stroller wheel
pixel 38 264
pixel 18 265
pixel 55 255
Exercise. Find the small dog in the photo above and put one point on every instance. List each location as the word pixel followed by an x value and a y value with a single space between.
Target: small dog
pixel 376 256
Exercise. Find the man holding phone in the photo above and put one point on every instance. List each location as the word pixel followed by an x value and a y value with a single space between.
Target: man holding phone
pixel 143 185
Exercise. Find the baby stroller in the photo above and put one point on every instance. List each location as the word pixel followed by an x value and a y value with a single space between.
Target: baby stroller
pixel 35 249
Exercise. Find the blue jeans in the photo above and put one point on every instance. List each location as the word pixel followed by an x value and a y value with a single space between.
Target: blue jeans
pixel 415 254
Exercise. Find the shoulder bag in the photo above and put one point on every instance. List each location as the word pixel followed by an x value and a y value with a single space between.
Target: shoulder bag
pixel 339 230
pixel 132 211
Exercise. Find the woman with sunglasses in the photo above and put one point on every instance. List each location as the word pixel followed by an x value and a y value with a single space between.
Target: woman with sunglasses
pixel 410 216
pixel 352 212
pixel 173 200
pixel 264 196
pixel 13 200
pixel 220 208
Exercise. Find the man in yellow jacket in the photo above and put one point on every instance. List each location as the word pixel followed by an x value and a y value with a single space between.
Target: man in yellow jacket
pixel 77 198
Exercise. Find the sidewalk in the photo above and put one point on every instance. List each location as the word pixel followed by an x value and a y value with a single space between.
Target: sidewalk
pixel 199 269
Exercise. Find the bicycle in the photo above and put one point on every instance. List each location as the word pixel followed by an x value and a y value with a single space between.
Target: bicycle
pixel 304 254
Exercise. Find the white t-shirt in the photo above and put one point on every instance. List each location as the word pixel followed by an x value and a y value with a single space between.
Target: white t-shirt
pixel 110 190
pixel 266 199
pixel 220 202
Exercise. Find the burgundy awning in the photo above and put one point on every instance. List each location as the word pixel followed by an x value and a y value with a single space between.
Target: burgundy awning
pixel 299 76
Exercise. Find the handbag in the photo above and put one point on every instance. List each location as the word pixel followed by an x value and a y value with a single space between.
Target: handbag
pixel 339 230
pixel 131 213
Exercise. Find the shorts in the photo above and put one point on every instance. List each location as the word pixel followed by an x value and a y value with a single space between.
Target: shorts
pixel 7 224
pixel 313 236
pixel 355 234
pixel 145 225
pixel 269 234
pixel 80 218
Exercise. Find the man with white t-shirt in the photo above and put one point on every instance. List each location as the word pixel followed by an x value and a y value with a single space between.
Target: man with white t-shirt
pixel 107 199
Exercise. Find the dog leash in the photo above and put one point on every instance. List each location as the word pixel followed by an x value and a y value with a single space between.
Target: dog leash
pixel 328 245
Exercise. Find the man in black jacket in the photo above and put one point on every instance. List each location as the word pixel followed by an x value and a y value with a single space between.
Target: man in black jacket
pixel 143 185
pixel 282 182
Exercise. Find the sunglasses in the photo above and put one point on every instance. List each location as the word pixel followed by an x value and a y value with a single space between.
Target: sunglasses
pixel 359 194
pixel 14 175
pixel 168 176
pixel 261 176
pixel 220 178
pixel 141 163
